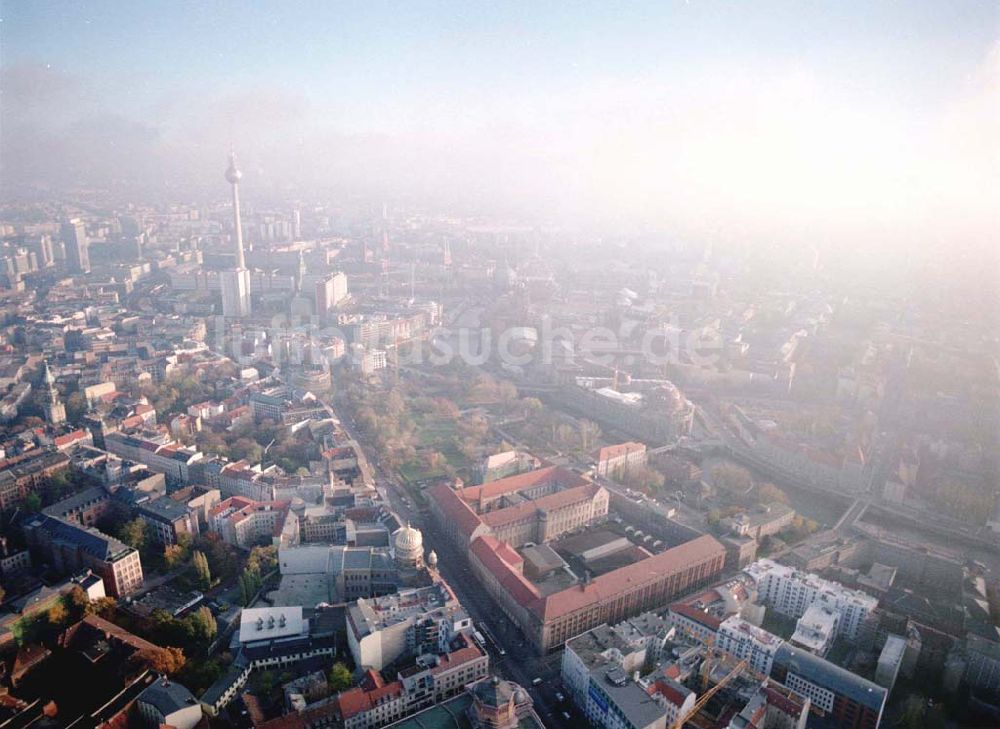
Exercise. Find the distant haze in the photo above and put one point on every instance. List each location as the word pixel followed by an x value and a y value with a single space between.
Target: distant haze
pixel 871 124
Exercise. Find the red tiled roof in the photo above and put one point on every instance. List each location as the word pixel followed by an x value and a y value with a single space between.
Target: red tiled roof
pixel 372 679
pixel 614 451
pixel 486 550
pixel 347 704
pixel 244 507
pixel 454 509
pixel 73 437
pixel 355 701
pixel 339 452
pixel 352 702
pixel 132 421
pixel 510 514
pixel 668 692
pixel 699 616
pixel 705 597
pixel 457 658
pixel 254 709
pixel 111 630
pixel 549 502
pixel 231 415
pixel 621 580
pixel 509 555
pixel 235 502
pixel 239 470
pixel 521 481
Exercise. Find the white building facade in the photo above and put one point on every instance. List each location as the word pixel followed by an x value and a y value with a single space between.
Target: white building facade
pixel 791 592
pixel 748 642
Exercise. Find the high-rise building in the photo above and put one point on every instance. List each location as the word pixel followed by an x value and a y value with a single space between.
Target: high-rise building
pixel 42 246
pixel 74 236
pixel 330 291
pixel 236 282
pixel 235 293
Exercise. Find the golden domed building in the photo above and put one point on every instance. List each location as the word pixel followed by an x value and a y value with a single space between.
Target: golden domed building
pixel 408 548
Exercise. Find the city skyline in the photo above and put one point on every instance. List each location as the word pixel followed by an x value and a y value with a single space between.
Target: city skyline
pixel 507 366
pixel 856 128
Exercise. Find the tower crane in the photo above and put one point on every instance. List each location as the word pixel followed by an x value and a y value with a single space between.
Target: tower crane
pixel 706 697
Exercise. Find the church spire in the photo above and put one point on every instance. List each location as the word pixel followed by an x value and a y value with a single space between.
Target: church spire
pixel 55 411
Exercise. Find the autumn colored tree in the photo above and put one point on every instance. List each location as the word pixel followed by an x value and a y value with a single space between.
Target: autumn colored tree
pixel 78 602
pixel 589 433
pixel 530 406
pixel 507 395
pixel 200 563
pixel 104 607
pixel 731 477
pixel 446 408
pixel 768 493
pixel 202 624
pixel 168 661
pixel 263 559
pixel 57 615
pixel 173 556
pixel 644 478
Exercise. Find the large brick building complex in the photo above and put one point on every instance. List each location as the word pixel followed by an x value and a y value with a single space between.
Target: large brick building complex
pixel 538 506
pixel 490 522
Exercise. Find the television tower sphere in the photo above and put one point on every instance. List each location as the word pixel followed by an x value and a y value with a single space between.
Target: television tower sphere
pixel 233 174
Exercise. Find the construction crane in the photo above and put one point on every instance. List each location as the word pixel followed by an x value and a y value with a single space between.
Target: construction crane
pixel 394 350
pixel 707 696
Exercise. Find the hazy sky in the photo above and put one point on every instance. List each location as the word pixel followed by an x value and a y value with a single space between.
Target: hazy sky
pixel 871 118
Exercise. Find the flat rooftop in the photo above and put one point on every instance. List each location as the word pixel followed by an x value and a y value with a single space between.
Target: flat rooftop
pixel 542 557
pixel 269 623
pixel 599 549
pixel 307 590
pixel 588 540
pixel 555 582
pixel 617 560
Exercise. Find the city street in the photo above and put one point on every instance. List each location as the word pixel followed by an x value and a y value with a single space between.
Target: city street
pixel 520 664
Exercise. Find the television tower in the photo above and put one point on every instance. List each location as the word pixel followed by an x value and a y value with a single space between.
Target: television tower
pixel 236 282
pixel 233 176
